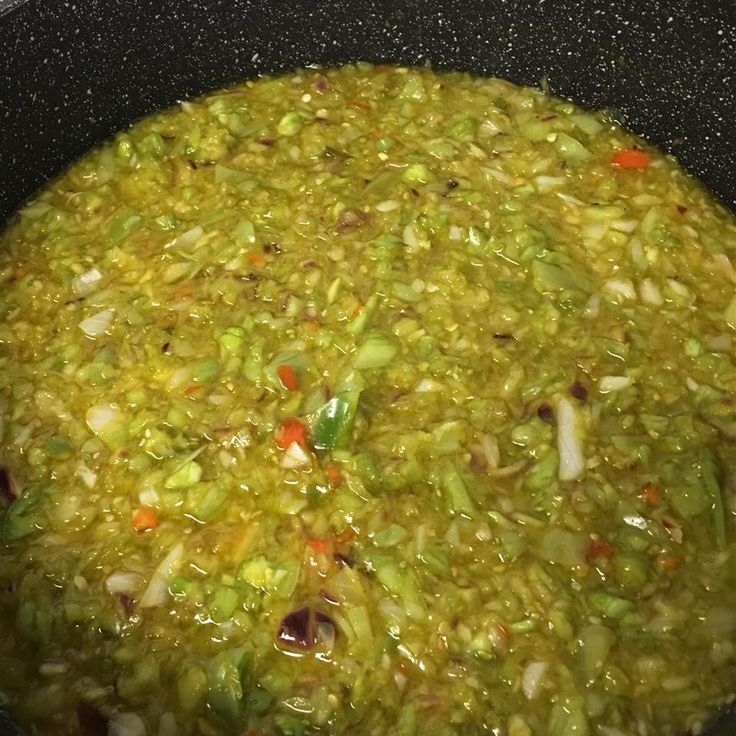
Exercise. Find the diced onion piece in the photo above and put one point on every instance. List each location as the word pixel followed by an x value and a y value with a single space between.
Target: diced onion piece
pixel 569 446
pixel 607 384
pixel 650 293
pixel 724 263
pixel 101 416
pixel 531 680
pixel 691 384
pixel 97 324
pixel 428 384
pixel 730 313
pixel 178 377
pixel 455 233
pixel 126 724
pixel 500 176
pixel 167 725
pixel 53 667
pixel 569 199
pixel 87 476
pixel 623 288
pixel 295 457
pixel 148 496
pixel 679 288
pixel 625 226
pixel 489 445
pixel 545 183
pixel 188 238
pixel 388 205
pixel 409 236
pixel 592 306
pixel 719 343
pixel 86 282
pixel 158 586
pixel 123 582
pixel 594 230
pixel 489 127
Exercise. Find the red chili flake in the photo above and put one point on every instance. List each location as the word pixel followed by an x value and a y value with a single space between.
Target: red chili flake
pixel 596 548
pixel 287 377
pixel 292 430
pixel 651 494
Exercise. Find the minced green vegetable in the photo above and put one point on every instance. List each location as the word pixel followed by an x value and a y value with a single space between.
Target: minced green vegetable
pixel 368 401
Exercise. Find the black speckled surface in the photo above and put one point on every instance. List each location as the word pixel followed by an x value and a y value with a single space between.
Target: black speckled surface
pixel 72 72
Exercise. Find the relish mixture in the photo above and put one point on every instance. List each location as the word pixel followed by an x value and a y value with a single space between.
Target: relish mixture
pixel 369 401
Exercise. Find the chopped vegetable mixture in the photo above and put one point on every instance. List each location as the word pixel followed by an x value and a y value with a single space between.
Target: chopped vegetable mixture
pixel 369 401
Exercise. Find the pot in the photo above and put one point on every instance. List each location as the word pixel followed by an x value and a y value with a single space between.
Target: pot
pixel 71 74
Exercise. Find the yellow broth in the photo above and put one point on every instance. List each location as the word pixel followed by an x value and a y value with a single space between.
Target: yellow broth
pixel 367 401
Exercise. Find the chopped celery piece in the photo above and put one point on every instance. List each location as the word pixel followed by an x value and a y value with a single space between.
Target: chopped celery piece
pixel 710 473
pixel 462 129
pixel 207 500
pixel 436 559
pixel 225 695
pixel 418 174
pixel 563 547
pixel 413 89
pixel 24 515
pixel 393 534
pixel 630 570
pixel 154 143
pixel 611 606
pixel 376 351
pixel 167 222
pixel 361 321
pixel 730 312
pixel 278 579
pixel 587 123
pixel 360 622
pixel 125 224
pixel 548 277
pixel 191 687
pixel 244 231
pixel 237 178
pixel 232 340
pixel 568 719
pixel 543 474
pixel 290 124
pixel 187 475
pixel 400 582
pixel 535 130
pixel 253 365
pixel 477 237
pixel 205 370
pixel 456 492
pixel 571 149
pixel 595 644
pixel 223 603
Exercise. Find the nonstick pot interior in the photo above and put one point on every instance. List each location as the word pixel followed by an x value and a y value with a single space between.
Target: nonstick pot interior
pixel 72 73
